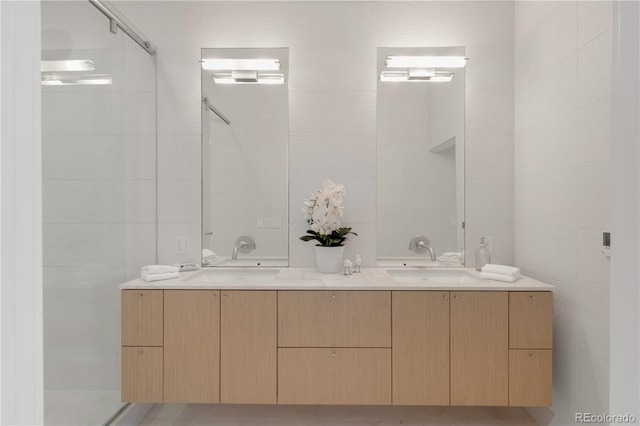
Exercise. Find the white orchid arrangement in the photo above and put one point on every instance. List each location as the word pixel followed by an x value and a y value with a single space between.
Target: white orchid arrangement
pixel 323 211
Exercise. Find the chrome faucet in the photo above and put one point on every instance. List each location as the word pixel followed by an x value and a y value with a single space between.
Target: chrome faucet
pixel 420 244
pixel 243 245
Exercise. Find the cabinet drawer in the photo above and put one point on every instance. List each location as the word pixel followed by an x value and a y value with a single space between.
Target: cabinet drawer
pixel 531 320
pixel 142 317
pixel 530 378
pixel 334 376
pixel 142 374
pixel 334 319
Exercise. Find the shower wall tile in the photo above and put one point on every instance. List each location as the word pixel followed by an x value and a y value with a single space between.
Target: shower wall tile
pixel 140 244
pixel 88 372
pixel 179 69
pixel 81 332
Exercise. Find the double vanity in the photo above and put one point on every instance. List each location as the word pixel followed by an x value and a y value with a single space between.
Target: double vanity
pixel 405 336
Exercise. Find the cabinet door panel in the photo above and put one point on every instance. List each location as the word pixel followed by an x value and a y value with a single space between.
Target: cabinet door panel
pixel 530 383
pixel 531 320
pixel 142 318
pixel 420 347
pixel 334 319
pixel 142 374
pixel 192 346
pixel 479 348
pixel 334 376
pixel 248 359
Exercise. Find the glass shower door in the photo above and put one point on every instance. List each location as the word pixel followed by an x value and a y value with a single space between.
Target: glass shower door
pixel 99 202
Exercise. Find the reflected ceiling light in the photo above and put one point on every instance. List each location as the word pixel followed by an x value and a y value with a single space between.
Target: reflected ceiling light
pixel 417 75
pixel 56 80
pixel 426 61
pixel 241 64
pixel 69 65
pixel 247 77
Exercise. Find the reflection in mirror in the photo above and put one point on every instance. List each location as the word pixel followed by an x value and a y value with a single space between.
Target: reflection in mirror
pixel 420 127
pixel 245 126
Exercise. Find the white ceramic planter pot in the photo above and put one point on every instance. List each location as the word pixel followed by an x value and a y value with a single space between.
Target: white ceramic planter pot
pixel 329 259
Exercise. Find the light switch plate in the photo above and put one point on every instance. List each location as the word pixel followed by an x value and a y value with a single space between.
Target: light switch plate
pixel 180 245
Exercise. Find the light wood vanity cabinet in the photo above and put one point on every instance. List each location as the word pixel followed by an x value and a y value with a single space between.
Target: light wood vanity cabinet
pixel 334 347
pixel 248 357
pixel 192 346
pixel 337 347
pixel 142 340
pixel 420 347
pixel 530 348
pixel 479 348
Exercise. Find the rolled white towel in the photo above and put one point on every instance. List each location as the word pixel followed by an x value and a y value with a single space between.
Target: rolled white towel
pixel 509 271
pixel 452 254
pixel 158 277
pixel 499 277
pixel 206 253
pixel 158 269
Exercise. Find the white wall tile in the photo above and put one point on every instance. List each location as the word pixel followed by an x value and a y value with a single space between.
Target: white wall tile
pixel 550 41
pixel 548 146
pixel 254 24
pixel 179 201
pixel 332 113
pixel 325 69
pixel 352 24
pixel 549 198
pixel 140 201
pixel 594 18
pixel 491 112
pixel 83 244
pixel 489 156
pixel 529 14
pixel 594 133
pixel 413 23
pixel 593 196
pixel 166 23
pixel 81 332
pixel 141 244
pixel 179 69
pixel 489 68
pixel 489 23
pixel 489 201
pixel 179 113
pixel 179 157
pixel 594 69
pixel 89 372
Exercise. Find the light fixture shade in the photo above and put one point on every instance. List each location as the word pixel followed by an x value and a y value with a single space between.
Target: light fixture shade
pixel 247 77
pixel 417 75
pixel 58 80
pixel 426 61
pixel 67 65
pixel 241 64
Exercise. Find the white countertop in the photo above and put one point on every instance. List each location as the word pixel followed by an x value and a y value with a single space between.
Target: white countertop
pixel 311 279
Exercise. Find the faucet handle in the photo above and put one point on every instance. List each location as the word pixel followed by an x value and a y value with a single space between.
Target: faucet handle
pixel 245 244
pixel 419 244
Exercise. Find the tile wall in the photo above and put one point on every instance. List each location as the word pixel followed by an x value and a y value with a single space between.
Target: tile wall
pixel 562 169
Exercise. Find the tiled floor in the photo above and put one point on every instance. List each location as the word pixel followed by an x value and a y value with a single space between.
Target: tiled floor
pixel 255 415
pixel 78 408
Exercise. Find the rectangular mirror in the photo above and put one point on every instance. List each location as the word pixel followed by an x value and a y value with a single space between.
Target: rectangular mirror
pixel 245 135
pixel 420 143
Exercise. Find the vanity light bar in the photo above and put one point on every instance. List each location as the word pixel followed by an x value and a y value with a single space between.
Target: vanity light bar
pixel 241 64
pixel 246 78
pixel 426 61
pixel 68 65
pixel 76 81
pixel 436 77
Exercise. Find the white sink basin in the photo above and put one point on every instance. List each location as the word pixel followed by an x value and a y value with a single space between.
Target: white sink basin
pixel 433 275
pixel 231 275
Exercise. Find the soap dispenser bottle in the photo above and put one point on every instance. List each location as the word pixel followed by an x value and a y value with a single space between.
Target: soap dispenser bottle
pixel 483 256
